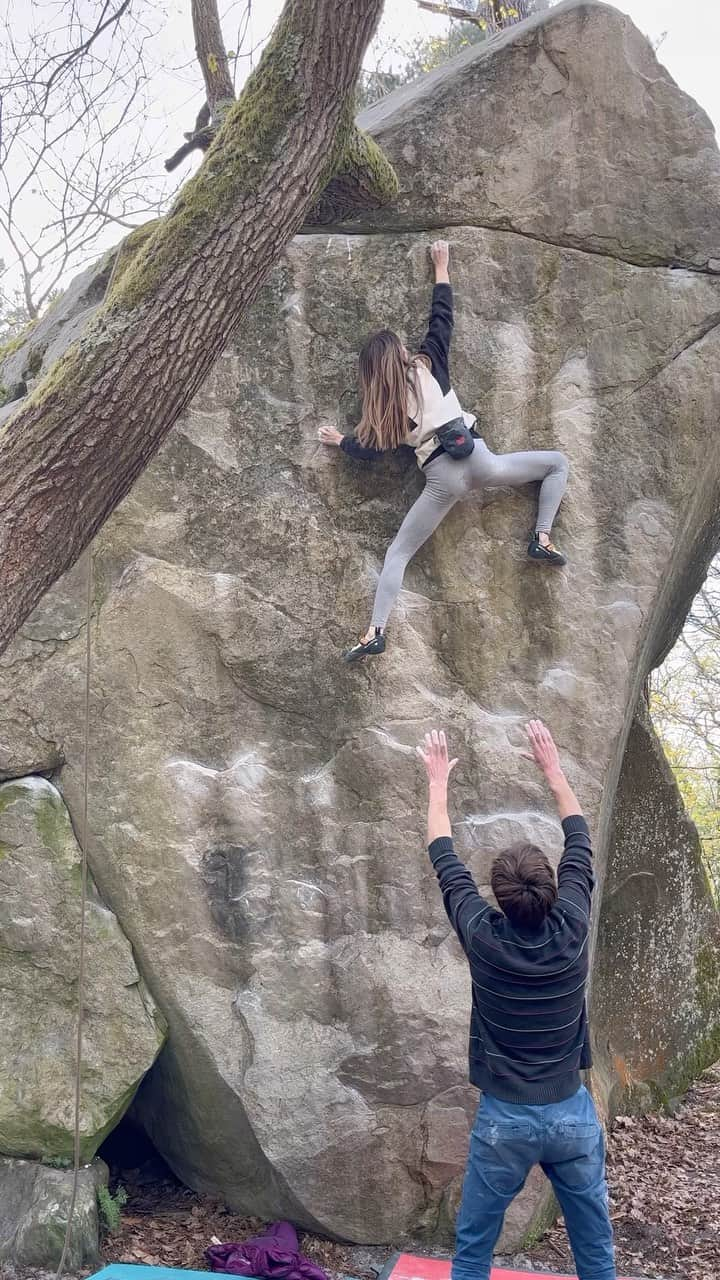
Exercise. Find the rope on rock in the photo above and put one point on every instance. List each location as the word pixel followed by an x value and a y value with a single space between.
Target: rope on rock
pixel 83 841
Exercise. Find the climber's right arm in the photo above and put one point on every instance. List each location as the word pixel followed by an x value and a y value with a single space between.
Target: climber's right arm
pixel 436 343
pixel 575 872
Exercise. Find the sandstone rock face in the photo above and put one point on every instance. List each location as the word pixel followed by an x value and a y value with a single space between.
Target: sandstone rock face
pixel 659 940
pixel 39 940
pixel 256 807
pixel 62 323
pixel 34 1207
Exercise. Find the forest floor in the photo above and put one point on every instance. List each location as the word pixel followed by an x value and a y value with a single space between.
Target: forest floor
pixel 663 1171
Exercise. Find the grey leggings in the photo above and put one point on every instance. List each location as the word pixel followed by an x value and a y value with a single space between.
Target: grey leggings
pixel 448 480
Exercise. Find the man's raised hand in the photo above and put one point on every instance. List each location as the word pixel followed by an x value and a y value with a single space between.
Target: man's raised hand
pixel 545 754
pixel 434 754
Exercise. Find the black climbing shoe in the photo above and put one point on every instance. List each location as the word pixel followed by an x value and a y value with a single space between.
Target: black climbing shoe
pixel 366 648
pixel 549 553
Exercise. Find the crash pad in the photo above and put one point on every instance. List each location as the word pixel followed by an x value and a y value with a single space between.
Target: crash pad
pixel 129 1271
pixel 410 1266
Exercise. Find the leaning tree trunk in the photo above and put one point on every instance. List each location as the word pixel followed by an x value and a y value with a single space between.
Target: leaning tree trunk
pixel 75 446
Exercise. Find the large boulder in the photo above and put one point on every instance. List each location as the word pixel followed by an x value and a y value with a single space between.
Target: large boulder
pixel 659 938
pixel 39 941
pixel 34 1208
pixel 256 808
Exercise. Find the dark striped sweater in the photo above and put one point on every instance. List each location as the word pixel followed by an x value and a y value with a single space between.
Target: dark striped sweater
pixel 528 1026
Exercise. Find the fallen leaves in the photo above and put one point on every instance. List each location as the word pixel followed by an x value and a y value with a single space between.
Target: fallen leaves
pixel 664 1179
pixel 663 1172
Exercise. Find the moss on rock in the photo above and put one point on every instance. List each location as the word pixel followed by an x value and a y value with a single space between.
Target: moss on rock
pixel 358 176
pixel 39 922
pixel 14 344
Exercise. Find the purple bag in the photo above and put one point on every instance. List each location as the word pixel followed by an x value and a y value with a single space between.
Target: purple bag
pixel 275 1254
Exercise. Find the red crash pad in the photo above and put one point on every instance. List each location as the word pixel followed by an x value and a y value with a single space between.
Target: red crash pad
pixel 409 1266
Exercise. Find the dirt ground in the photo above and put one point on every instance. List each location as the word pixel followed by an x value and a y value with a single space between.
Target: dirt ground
pixel 663 1171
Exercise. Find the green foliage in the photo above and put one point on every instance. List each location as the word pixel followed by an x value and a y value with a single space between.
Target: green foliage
pixel 15 323
pixel 685 707
pixel 58 1162
pixel 412 59
pixel 111 1206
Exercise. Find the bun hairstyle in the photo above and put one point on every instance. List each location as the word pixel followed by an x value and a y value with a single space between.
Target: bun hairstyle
pixel 523 882
pixel 387 375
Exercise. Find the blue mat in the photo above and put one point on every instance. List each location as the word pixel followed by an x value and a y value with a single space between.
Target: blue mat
pixel 128 1271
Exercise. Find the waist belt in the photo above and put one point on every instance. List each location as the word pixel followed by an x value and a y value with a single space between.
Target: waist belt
pixel 441 448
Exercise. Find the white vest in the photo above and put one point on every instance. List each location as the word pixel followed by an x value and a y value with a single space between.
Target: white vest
pixel 435 410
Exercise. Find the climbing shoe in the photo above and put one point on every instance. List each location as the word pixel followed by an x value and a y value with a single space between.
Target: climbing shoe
pixel 367 648
pixel 548 553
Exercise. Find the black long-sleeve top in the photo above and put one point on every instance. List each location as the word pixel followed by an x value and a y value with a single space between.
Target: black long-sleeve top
pixel 528 1025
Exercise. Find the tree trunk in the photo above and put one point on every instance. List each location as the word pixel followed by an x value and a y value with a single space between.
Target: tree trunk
pixel 365 179
pixel 72 451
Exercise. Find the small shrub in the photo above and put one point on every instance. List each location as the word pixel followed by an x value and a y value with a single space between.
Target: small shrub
pixel 58 1162
pixel 111 1207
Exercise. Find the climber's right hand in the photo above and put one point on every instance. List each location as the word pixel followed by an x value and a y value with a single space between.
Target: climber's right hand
pixel 328 435
pixel 440 254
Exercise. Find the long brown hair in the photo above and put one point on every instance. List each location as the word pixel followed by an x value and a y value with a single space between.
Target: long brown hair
pixel 386 376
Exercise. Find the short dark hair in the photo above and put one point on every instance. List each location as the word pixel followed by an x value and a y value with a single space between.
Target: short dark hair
pixel 523 882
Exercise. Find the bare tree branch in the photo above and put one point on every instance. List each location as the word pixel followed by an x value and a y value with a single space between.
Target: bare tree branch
pixel 73 86
pixel 450 11
pixel 215 68
pixel 493 14
pixel 102 25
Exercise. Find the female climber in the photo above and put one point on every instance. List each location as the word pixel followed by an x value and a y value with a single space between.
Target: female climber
pixel 408 400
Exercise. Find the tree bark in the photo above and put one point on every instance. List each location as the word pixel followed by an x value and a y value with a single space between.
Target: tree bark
pixel 73 449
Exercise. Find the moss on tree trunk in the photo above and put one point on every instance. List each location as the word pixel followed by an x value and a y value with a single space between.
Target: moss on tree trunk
pixel 77 443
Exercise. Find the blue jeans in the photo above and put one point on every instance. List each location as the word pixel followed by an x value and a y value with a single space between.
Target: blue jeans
pixel 566 1140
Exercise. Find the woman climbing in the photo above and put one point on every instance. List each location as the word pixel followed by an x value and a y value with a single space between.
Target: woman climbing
pixel 408 400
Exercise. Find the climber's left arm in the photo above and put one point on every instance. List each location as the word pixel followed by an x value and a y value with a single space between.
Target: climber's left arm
pixel 463 904
pixel 349 444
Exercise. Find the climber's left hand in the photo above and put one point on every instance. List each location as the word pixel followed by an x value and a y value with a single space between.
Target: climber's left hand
pixel 328 435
